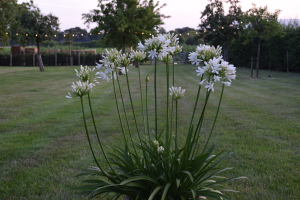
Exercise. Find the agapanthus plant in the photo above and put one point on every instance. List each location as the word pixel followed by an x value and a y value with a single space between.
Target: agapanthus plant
pixel 156 166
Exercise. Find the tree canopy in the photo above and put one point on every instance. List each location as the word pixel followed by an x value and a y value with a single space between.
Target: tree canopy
pixel 125 22
pixel 261 24
pixel 7 10
pixel 217 27
pixel 32 26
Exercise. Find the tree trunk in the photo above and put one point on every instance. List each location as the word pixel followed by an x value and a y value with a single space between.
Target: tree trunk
pixel 251 67
pixel 287 61
pixel 38 46
pixel 257 59
pixel 123 49
pixel 226 51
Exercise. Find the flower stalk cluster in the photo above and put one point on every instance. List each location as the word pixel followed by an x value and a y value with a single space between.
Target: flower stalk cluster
pixel 176 93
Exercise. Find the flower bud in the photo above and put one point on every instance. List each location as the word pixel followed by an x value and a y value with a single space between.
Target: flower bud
pixel 147 78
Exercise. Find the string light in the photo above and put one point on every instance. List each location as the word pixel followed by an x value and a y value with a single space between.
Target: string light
pixel 142 33
pixel 222 27
pixel 26 34
pixel 54 35
pixel 204 31
pixel 6 33
pixel 107 32
pixel 157 34
pixel 188 33
pixel 214 29
pixel 98 33
pixel 35 35
pixel 90 33
pixel 64 35
pixel 81 34
pixel 196 32
pixel 45 35
pixel 129 31
pixel 180 34
pixel 17 34
pixel 241 22
pixel 135 32
pixel 150 33
pixel 73 35
pixel 231 25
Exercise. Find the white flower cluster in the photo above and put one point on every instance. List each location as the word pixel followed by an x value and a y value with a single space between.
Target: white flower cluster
pixel 160 46
pixel 155 142
pixel 160 149
pixel 174 42
pixel 204 53
pixel 113 58
pixel 80 89
pixel 85 73
pixel 217 70
pixel 137 55
pixel 176 93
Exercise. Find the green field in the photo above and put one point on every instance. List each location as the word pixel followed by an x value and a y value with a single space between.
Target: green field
pixel 43 144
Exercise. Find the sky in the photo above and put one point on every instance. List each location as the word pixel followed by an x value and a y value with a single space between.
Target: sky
pixel 184 13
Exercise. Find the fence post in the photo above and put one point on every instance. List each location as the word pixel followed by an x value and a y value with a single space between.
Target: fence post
pixel 151 61
pixel 184 57
pixel 10 60
pixel 251 67
pixel 287 61
pixel 55 59
pixel 33 60
pixel 78 53
pixel 71 60
pixel 66 60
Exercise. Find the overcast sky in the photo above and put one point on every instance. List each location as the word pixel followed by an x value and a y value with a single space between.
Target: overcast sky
pixel 183 13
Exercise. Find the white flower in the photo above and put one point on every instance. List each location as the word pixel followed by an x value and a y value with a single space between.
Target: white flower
pixel 217 78
pixel 201 83
pixel 200 71
pixel 80 88
pixel 210 86
pixel 176 93
pixel 155 143
pixel 226 83
pixel 141 46
pixel 160 149
pixel 152 53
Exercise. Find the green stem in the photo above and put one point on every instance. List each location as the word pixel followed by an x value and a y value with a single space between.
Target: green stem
pixel 155 96
pixel 87 133
pixel 132 107
pixel 113 78
pixel 98 134
pixel 215 119
pixel 147 110
pixel 124 109
pixel 197 98
pixel 176 123
pixel 141 98
pixel 168 126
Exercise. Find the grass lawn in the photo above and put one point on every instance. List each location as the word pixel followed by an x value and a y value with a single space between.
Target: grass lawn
pixel 43 144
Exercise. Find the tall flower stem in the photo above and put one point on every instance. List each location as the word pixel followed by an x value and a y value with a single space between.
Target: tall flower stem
pixel 168 125
pixel 197 98
pixel 132 107
pixel 100 143
pixel 176 123
pixel 124 109
pixel 122 127
pixel 87 133
pixel 142 98
pixel 155 96
pixel 215 119
pixel 147 114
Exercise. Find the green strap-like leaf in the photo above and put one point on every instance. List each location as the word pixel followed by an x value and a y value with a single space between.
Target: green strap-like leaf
pixel 165 191
pixel 194 193
pixel 136 178
pixel 189 174
pixel 154 192
pixel 177 182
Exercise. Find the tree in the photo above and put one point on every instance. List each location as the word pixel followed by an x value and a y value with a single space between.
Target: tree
pixel 184 30
pixel 32 26
pixel 261 24
pixel 217 27
pixel 125 22
pixel 161 30
pixel 7 10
